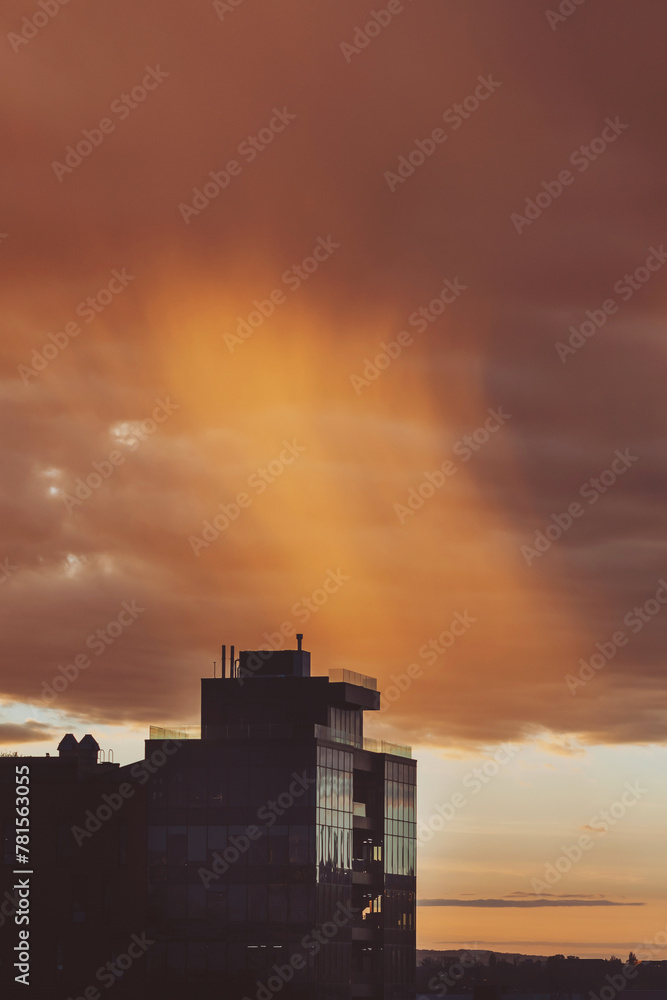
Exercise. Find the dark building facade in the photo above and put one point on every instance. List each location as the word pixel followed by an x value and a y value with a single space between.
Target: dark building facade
pixel 78 895
pixel 274 855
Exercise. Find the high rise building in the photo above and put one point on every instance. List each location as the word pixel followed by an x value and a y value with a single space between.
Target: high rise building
pixel 274 854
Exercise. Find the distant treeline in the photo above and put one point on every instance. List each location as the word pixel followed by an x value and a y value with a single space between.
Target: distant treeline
pixel 558 974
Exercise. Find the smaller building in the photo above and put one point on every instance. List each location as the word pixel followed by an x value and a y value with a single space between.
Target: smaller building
pixel 81 892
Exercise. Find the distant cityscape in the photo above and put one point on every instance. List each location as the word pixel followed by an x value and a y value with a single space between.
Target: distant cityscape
pixel 489 975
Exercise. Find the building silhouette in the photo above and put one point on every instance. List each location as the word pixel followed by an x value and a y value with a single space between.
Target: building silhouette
pixel 273 855
pixel 83 886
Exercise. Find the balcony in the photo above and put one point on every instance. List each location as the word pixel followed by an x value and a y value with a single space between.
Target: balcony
pixel 367 927
pixel 366 872
pixel 367 743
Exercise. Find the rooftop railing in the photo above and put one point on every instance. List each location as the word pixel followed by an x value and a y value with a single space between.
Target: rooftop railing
pixel 338 675
pixel 180 733
pixel 259 731
pixel 367 743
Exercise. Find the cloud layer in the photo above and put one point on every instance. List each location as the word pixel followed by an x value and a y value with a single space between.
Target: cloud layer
pixel 187 324
pixel 521 903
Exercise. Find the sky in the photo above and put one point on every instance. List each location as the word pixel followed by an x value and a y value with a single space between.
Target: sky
pixel 346 320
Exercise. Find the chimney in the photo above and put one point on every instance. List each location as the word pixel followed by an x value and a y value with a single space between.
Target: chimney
pixel 68 748
pixel 88 751
pixel 299 640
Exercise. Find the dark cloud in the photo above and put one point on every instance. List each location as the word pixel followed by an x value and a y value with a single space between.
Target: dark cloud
pixel 522 903
pixel 29 732
pixel 333 509
pixel 556 895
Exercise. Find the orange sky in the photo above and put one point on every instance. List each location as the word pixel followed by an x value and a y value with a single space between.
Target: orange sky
pixel 245 318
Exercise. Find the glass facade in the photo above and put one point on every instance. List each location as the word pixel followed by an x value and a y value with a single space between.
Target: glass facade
pixel 347 724
pixel 334 814
pixel 231 863
pixel 328 874
pixel 399 819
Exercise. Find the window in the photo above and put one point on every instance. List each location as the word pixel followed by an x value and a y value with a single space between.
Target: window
pixel 196 843
pixel 177 788
pixel 278 845
pixel 257 903
pixel 196 902
pixel 197 786
pixel 299 840
pixel 237 897
pixel 277 904
pixel 177 845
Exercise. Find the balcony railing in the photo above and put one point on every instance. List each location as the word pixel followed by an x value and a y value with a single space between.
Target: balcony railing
pixel 264 731
pixel 367 743
pixel 339 675
pixel 174 733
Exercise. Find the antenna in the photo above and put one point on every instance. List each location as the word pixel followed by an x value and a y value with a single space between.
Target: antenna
pixel 214 668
